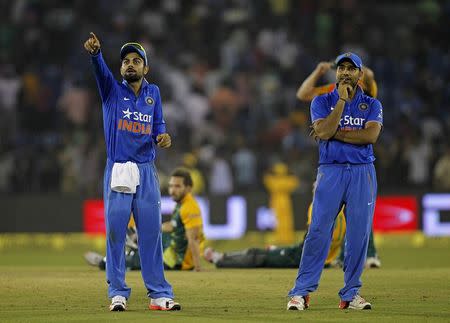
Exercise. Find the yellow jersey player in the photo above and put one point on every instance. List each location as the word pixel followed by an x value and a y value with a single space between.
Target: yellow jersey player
pixel 183 238
pixel 185 227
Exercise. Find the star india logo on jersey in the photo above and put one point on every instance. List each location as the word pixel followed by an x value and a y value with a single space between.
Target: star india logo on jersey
pixel 135 122
pixel 350 123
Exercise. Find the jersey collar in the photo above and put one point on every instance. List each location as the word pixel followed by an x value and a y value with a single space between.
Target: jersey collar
pixel 144 85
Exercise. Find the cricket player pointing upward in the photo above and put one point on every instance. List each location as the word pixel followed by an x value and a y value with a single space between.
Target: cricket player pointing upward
pixel 347 122
pixel 133 125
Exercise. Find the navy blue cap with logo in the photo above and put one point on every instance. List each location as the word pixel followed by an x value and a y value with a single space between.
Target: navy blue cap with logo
pixel 133 48
pixel 350 57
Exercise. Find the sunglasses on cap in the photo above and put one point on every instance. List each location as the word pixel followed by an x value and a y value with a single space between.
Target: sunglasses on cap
pixel 134 45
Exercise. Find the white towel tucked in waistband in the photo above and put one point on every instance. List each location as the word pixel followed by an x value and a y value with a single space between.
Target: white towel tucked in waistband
pixel 125 177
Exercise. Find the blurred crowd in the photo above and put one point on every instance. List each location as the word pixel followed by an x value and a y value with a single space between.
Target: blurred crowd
pixel 228 73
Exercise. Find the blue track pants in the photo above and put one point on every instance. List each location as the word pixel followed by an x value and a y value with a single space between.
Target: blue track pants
pixel 146 207
pixel 338 184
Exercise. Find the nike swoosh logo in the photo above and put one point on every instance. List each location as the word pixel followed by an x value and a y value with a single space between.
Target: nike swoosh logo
pixel 370 203
pixel 126 99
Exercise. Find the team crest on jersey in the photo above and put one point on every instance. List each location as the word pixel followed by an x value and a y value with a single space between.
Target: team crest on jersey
pixel 149 100
pixel 363 106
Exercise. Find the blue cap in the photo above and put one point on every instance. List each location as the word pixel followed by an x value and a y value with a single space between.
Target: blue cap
pixel 353 58
pixel 133 48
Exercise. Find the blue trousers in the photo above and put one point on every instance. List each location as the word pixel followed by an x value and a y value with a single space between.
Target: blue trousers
pixel 146 207
pixel 338 184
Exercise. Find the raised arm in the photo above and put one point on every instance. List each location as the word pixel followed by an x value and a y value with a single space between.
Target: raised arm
pixel 105 79
pixel 307 90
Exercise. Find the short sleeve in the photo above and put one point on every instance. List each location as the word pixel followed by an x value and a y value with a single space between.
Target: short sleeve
pixel 191 216
pixel 319 108
pixel 376 112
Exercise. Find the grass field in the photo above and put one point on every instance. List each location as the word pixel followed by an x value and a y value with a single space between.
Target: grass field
pixel 46 280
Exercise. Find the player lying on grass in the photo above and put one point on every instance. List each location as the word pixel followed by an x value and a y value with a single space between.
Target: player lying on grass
pixel 277 257
pixel 183 237
pixel 283 257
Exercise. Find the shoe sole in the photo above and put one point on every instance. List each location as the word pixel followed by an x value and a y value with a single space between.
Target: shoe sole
pixel 366 307
pixel 160 308
pixel 295 308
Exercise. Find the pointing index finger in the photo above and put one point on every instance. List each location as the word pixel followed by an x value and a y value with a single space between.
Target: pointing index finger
pixel 93 35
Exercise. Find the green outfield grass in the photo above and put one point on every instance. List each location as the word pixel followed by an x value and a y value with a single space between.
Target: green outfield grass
pixel 43 280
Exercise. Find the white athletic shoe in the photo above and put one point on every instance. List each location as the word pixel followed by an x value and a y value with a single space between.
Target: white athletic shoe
pixel 163 304
pixel 93 258
pixel 373 262
pixel 118 303
pixel 298 303
pixel 357 303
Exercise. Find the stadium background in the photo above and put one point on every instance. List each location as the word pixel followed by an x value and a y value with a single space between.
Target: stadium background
pixel 228 73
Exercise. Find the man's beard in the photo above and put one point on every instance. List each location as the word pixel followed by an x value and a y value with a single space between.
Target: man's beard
pixel 179 198
pixel 132 78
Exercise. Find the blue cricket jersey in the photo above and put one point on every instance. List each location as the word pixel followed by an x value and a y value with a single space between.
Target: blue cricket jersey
pixel 131 123
pixel 356 114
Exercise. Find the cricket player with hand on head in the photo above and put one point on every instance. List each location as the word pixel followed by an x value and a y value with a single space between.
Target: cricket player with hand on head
pixel 133 126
